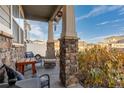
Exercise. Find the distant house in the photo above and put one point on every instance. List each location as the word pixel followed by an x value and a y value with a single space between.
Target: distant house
pixel 116 42
pixel 82 45
pixel 113 39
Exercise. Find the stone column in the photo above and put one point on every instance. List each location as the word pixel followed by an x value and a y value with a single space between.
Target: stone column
pixel 50 53
pixel 68 48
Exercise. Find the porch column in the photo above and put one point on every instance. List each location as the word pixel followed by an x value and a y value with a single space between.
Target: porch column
pixel 68 48
pixel 50 53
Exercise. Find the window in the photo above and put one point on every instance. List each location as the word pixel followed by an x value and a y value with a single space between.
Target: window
pixel 21 21
pixel 15 32
pixel 18 28
pixel 21 36
pixel 16 11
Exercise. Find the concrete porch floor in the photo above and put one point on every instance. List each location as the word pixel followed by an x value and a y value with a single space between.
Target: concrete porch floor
pixel 54 75
pixel 53 72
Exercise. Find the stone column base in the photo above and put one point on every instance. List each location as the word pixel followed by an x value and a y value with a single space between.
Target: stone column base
pixel 50 53
pixel 68 61
pixel 50 62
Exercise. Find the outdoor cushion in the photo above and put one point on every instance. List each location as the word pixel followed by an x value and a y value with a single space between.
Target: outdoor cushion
pixel 29 54
pixel 2 72
pixel 44 81
pixel 19 76
pixel 10 73
pixel 16 74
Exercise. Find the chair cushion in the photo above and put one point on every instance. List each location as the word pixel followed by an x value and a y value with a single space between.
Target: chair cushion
pixel 19 76
pixel 44 81
pixel 29 54
pixel 2 72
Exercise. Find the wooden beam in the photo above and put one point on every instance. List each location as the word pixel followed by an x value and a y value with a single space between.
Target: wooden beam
pixel 21 9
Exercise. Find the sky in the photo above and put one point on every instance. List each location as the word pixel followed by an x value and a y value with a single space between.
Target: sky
pixel 93 23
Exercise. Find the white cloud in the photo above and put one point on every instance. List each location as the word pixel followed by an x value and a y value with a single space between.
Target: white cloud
pixel 108 22
pixel 36 32
pixel 117 20
pixel 101 38
pixel 114 7
pixel 103 23
pixel 39 30
pixel 121 28
pixel 98 11
pixel 121 12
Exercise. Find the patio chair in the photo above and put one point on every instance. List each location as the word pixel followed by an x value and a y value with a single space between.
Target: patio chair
pixel 38 58
pixel 30 54
pixel 16 79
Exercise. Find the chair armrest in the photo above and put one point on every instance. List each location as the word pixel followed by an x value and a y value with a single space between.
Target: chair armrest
pixel 45 75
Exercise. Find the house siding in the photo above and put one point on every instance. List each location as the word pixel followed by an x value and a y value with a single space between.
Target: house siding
pixel 5 15
pixel 9 53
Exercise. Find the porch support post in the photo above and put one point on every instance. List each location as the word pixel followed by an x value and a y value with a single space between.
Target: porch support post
pixel 50 53
pixel 68 48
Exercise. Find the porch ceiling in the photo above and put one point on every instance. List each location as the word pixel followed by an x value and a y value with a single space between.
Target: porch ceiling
pixel 40 12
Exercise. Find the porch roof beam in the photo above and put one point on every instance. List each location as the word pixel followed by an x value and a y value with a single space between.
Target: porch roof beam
pixel 55 13
pixel 41 13
pixel 38 18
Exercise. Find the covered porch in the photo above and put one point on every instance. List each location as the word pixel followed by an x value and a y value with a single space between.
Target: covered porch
pixel 64 73
pixel 66 69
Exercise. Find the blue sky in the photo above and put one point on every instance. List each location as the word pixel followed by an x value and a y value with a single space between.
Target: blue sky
pixel 93 23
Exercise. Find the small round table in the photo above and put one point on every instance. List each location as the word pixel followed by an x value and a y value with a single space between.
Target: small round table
pixel 29 83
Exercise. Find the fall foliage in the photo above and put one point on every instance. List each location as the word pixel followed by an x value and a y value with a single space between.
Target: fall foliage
pixel 101 67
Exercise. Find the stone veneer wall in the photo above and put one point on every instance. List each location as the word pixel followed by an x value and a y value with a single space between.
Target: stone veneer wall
pixel 68 62
pixel 10 54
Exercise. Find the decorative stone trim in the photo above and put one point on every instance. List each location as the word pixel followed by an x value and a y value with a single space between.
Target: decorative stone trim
pixel 69 37
pixel 49 60
pixel 4 34
pixel 17 45
pixel 5 42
